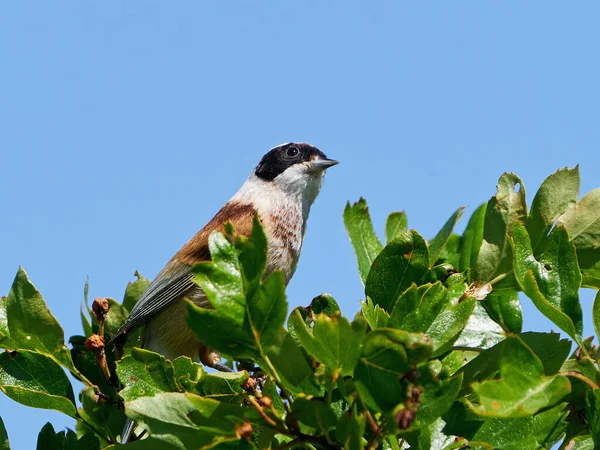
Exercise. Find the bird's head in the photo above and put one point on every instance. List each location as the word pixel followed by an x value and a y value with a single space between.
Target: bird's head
pixel 295 168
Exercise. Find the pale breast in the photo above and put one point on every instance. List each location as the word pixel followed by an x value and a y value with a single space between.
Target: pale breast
pixel 285 231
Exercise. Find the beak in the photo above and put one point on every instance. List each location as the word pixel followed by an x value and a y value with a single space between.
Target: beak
pixel 321 164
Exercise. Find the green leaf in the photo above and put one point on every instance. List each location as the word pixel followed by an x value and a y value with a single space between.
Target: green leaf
pixel 504 308
pixel 402 262
pixel 438 243
pixel 541 430
pixel 431 437
pixel 522 389
pixel 291 365
pixel 187 373
pixel 583 224
pixel 5 341
pixel 596 314
pixel 503 210
pixel 134 291
pixel 592 413
pixel 221 279
pixel 145 373
pixel 49 439
pixel 4 445
pixel 480 332
pixel 31 324
pixel 396 223
pixel 333 340
pixel 590 277
pixel 350 429
pixel 557 193
pixel 428 309
pixel 362 235
pixel 553 281
pixel 253 252
pixel 116 317
pixel 375 316
pixel 222 386
pixel 253 313
pixel 548 347
pixel 314 413
pixel 472 239
pixel 325 304
pixel 35 380
pixel 85 323
pixel 105 418
pixel 187 420
pixel 387 355
pixel 439 393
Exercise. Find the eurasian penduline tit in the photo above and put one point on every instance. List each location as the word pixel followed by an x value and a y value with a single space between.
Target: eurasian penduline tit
pixel 281 190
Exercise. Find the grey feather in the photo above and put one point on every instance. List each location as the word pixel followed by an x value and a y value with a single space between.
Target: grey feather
pixel 170 284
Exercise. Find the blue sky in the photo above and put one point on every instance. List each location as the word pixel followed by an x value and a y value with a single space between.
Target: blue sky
pixel 126 125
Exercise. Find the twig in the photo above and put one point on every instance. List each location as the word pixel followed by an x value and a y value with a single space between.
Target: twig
pixel 586 380
pixel 262 412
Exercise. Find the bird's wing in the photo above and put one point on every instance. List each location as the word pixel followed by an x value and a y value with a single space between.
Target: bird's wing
pixel 170 284
pixel 176 278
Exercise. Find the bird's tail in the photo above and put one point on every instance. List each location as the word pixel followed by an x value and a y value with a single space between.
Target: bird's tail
pixel 127 431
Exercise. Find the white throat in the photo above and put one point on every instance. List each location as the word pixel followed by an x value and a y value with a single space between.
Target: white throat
pixel 295 188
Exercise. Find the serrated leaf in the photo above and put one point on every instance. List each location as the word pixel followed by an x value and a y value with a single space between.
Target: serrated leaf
pixel 472 239
pixel 402 262
pixel 548 347
pixel 583 224
pixel 557 193
pixel 252 312
pixel 552 282
pixel 222 386
pixel 134 291
pixel 65 440
pixel 374 314
pixel 524 433
pixel 428 309
pixel 145 373
pixel 333 341
pixel 362 235
pixel 292 365
pixel 196 422
pixel 502 211
pixel 4 445
pixel 438 243
pixel 522 389
pixel 388 354
pixel 396 223
pixel 187 373
pixel 31 324
pixel 34 379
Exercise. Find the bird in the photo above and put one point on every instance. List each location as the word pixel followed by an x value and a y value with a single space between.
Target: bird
pixel 280 190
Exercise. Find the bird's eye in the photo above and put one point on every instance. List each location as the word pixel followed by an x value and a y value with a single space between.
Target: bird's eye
pixel 291 152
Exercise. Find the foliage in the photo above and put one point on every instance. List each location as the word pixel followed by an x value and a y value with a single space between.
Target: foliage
pixel 435 358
